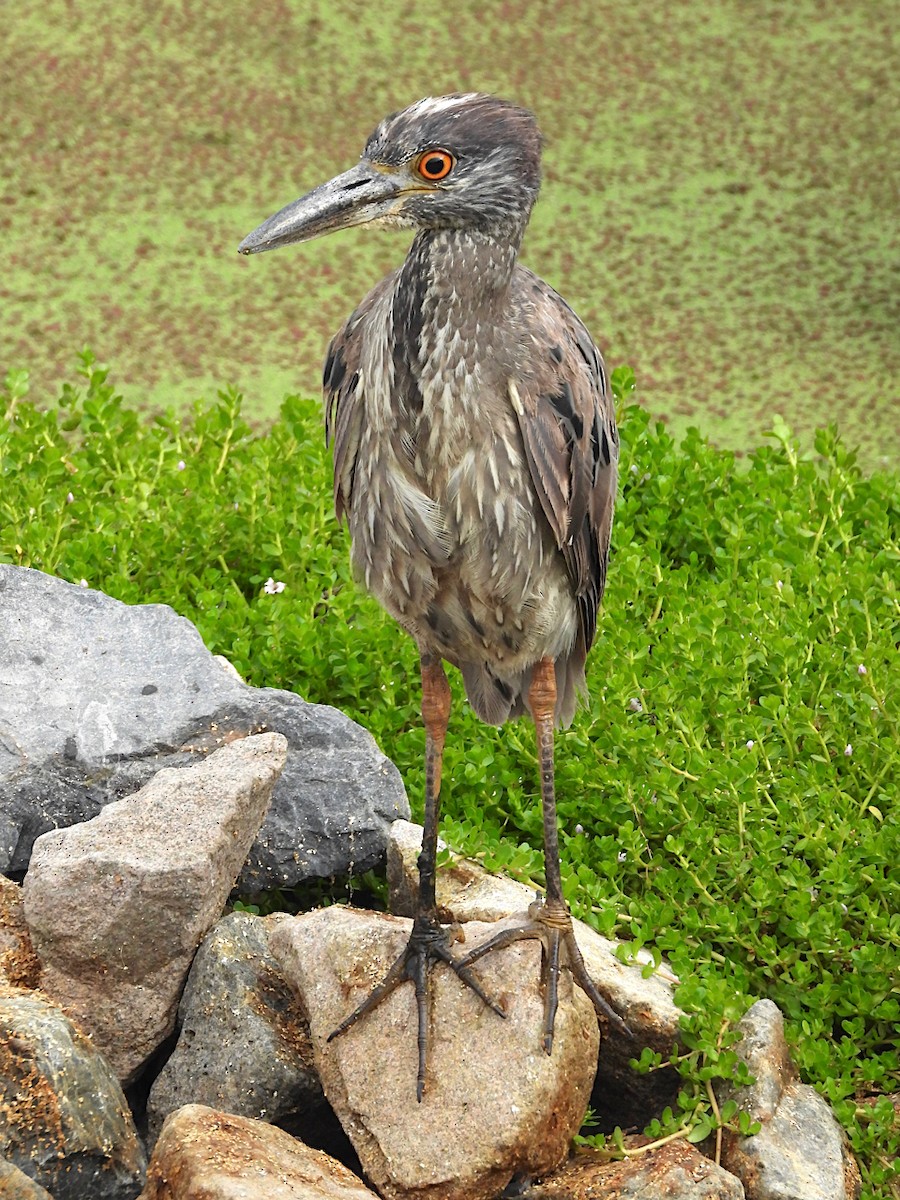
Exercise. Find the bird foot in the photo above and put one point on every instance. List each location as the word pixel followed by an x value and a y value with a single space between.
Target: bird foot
pixel 429 942
pixel 550 923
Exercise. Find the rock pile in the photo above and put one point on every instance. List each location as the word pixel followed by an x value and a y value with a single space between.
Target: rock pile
pixel 97 696
pixel 117 906
pixel 138 1016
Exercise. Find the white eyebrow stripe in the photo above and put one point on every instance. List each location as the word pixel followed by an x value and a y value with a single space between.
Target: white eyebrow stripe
pixel 436 104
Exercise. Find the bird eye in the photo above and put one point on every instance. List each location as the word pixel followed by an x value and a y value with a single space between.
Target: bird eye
pixel 435 164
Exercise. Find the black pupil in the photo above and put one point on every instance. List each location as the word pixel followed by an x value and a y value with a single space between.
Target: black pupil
pixel 434 166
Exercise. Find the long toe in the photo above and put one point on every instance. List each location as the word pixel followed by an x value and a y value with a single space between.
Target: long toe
pixel 429 942
pixel 551 924
pixel 602 1006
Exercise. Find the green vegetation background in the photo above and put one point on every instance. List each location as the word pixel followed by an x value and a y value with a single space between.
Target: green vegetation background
pixel 719 205
pixel 729 798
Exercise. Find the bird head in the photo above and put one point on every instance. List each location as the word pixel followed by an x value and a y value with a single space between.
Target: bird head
pixel 465 161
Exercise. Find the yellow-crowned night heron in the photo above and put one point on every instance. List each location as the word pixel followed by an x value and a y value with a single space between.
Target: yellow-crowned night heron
pixel 475 455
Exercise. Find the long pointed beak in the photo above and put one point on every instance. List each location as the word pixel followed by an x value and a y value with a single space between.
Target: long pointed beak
pixel 358 196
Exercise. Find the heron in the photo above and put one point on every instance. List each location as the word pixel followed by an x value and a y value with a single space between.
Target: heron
pixel 475 454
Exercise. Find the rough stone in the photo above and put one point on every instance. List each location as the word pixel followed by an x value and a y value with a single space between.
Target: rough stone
pixel 118 905
pixel 764 1049
pixel 466 892
pixel 495 1103
pixel 96 696
pixel 19 964
pixel 63 1117
pixel 800 1153
pixel 16 1185
pixel 674 1171
pixel 207 1155
pixel 243 1045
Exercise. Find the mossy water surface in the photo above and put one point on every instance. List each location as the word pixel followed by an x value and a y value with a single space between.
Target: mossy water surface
pixel 718 202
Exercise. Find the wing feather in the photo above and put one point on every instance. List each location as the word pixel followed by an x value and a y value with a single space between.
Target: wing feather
pixel 567 419
pixel 342 386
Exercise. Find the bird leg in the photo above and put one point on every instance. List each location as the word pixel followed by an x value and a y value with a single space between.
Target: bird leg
pixel 429 939
pixel 550 921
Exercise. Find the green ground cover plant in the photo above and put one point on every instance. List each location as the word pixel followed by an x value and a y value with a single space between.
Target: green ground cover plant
pixel 728 799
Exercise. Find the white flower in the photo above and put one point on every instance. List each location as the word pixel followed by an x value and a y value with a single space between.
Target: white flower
pixel 70 498
pixel 848 750
pixel 83 583
pixel 635 705
pixel 779 584
pixel 621 856
pixel 180 465
pixel 579 829
pixel 272 586
pixel 861 669
pixel 750 743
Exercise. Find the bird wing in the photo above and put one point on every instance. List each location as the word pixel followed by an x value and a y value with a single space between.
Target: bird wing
pixel 567 419
pixel 343 400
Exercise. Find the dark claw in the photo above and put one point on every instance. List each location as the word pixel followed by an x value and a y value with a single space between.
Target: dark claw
pixel 551 925
pixel 428 941
pixel 395 976
pixel 584 981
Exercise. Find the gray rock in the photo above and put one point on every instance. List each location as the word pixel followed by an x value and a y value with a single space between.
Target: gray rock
pixel 764 1049
pixel 16 1185
pixel 63 1118
pixel 469 893
pixel 118 905
pixel 96 696
pixel 207 1155
pixel 244 1045
pixel 800 1153
pixel 674 1171
pixel 495 1103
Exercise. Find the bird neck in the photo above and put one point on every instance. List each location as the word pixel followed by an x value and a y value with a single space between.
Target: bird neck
pixel 463 269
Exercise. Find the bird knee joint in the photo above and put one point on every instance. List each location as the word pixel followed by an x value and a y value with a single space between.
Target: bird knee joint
pixel 435 701
pixel 542 692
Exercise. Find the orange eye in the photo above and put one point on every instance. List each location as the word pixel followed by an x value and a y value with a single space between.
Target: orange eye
pixel 435 164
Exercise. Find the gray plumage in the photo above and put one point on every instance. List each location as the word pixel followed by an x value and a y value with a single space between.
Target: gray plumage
pixel 475 456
